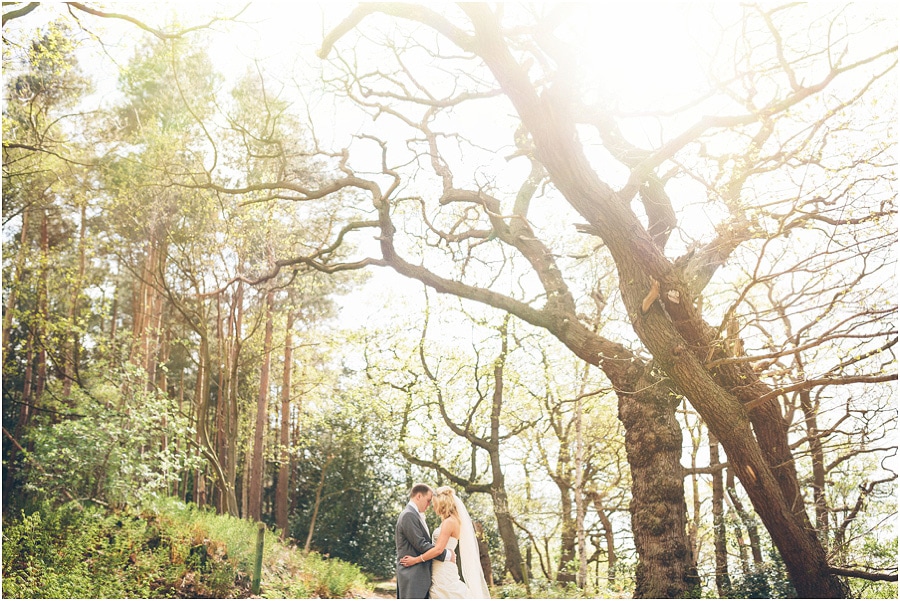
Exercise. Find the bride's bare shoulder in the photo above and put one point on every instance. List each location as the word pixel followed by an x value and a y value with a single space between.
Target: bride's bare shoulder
pixel 452 525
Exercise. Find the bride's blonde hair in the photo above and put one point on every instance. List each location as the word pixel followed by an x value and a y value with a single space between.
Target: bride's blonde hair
pixel 444 502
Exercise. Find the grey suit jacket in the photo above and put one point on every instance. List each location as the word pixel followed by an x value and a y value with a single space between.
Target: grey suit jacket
pixel 412 538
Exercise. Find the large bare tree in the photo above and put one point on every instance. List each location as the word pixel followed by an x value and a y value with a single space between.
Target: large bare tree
pixel 537 73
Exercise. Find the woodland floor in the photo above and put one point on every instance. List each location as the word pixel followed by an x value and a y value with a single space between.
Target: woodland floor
pixel 384 590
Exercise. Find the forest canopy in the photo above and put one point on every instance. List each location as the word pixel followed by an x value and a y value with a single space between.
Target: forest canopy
pixel 623 275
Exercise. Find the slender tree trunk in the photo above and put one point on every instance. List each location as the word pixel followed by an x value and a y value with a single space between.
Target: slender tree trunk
pixel 738 532
pixel 70 365
pixel 141 306
pixel 202 411
pixel 162 377
pixel 182 485
pixel 231 416
pixel 221 408
pixel 491 444
pixel 748 520
pixel 25 412
pixel 153 333
pixel 498 479
pixel 317 503
pixel 245 481
pixel 221 491
pixel 609 538
pixel 14 285
pixel 40 380
pixel 579 494
pixel 163 386
pixel 282 502
pixel 723 580
pixel 818 464
pixel 694 527
pixel 257 467
pixel 114 317
pixel 219 475
pixel 568 531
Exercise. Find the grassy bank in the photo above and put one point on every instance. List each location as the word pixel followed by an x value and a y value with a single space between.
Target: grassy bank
pixel 167 549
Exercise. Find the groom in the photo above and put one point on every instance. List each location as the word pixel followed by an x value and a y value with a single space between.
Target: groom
pixel 413 538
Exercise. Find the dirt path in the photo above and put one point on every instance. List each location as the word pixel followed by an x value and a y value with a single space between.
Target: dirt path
pixel 384 590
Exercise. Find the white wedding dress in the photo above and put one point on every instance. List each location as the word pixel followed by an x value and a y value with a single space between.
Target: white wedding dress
pixel 445 582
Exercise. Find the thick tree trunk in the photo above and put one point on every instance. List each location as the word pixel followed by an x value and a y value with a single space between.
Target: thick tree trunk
pixel 506 529
pixel 282 501
pixel 658 510
pixel 258 465
pixel 766 486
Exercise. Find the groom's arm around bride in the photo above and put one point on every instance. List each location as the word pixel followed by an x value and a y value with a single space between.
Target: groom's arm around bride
pixel 412 538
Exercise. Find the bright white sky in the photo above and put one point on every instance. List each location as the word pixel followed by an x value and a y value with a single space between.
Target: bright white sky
pixel 646 54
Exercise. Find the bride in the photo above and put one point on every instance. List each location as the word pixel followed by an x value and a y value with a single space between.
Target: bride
pixel 456 527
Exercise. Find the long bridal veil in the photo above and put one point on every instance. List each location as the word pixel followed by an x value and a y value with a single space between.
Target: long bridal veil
pixel 468 554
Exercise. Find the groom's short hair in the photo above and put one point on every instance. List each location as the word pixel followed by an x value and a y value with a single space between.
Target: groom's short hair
pixel 419 489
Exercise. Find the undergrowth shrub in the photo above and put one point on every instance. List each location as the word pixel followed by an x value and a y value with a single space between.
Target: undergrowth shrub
pixel 768 581
pixel 332 578
pixel 103 454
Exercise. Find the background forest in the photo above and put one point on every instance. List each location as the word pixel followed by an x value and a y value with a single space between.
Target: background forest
pixel 623 275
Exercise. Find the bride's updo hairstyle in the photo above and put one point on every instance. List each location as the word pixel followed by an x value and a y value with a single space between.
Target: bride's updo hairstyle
pixel 444 502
